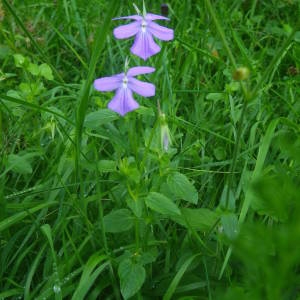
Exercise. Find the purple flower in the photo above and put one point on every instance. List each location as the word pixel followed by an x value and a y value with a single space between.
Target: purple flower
pixel 143 28
pixel 124 84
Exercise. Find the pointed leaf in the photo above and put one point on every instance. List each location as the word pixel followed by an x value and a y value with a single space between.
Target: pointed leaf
pixel 97 118
pixel 118 220
pixel 182 187
pixel 162 204
pixel 132 277
pixel 18 164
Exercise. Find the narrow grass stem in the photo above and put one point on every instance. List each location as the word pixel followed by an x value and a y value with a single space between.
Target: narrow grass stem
pixel 246 98
pixel 235 152
pixel 103 233
pixel 221 32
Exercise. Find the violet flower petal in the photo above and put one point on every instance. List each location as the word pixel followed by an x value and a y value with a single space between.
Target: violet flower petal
pixel 144 45
pixel 126 31
pixel 162 33
pixel 139 70
pixel 123 102
pixel 133 17
pixel 107 84
pixel 142 88
pixel 151 17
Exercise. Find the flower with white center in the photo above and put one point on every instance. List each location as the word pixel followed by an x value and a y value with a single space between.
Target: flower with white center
pixel 144 28
pixel 124 84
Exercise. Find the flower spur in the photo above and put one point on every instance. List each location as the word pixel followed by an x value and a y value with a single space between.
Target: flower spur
pixel 124 84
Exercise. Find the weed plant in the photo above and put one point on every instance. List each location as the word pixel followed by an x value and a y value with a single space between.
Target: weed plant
pixel 195 195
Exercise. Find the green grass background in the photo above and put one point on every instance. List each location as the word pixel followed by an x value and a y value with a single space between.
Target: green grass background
pixel 93 207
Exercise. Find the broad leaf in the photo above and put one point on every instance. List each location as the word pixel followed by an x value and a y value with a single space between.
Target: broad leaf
pixel 118 220
pixel 182 187
pixel 18 164
pixel 94 119
pixel 201 219
pixel 132 277
pixel 162 204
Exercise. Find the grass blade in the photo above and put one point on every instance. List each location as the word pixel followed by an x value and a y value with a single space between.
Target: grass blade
pixel 169 293
pixel 100 38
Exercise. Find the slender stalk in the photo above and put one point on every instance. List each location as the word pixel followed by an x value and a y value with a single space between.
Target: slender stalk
pixel 103 233
pixel 235 152
pixel 246 99
pixel 221 33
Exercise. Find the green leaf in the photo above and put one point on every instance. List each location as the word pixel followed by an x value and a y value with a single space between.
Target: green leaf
pixel 6 223
pixel 118 220
pixel 33 69
pixel 173 285
pixel 297 36
pixel 4 51
pixel 18 164
pixel 162 204
pixel 95 119
pixel 182 187
pixel 219 153
pixel 132 277
pixel 92 269
pixel 230 225
pixel 106 166
pixel 215 96
pixel 19 60
pixel 136 205
pixel 46 71
pixel 201 219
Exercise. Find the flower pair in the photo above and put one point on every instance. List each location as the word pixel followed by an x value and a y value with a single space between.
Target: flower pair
pixel 143 28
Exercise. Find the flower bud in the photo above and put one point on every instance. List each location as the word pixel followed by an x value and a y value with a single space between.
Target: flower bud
pixel 164 9
pixel 241 73
pixel 165 138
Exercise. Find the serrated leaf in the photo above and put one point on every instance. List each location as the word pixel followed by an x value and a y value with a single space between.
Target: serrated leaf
pixel 95 119
pixel 132 277
pixel 162 204
pixel 118 220
pixel 46 71
pixel 182 188
pixel 18 164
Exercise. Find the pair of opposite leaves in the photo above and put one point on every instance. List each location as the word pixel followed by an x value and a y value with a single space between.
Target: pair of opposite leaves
pixel 144 46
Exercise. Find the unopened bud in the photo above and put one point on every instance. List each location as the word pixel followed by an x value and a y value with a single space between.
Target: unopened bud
pixel 164 9
pixel 215 53
pixel 165 138
pixel 241 73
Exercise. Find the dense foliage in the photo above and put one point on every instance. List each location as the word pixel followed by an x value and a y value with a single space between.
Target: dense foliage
pixel 195 195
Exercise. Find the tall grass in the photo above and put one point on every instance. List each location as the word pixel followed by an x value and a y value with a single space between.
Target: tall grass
pixel 92 205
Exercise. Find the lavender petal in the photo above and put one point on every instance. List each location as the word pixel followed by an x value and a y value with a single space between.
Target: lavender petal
pixel 144 45
pixel 107 84
pixel 139 70
pixel 151 17
pixel 126 31
pixel 142 88
pixel 123 102
pixel 132 17
pixel 162 33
